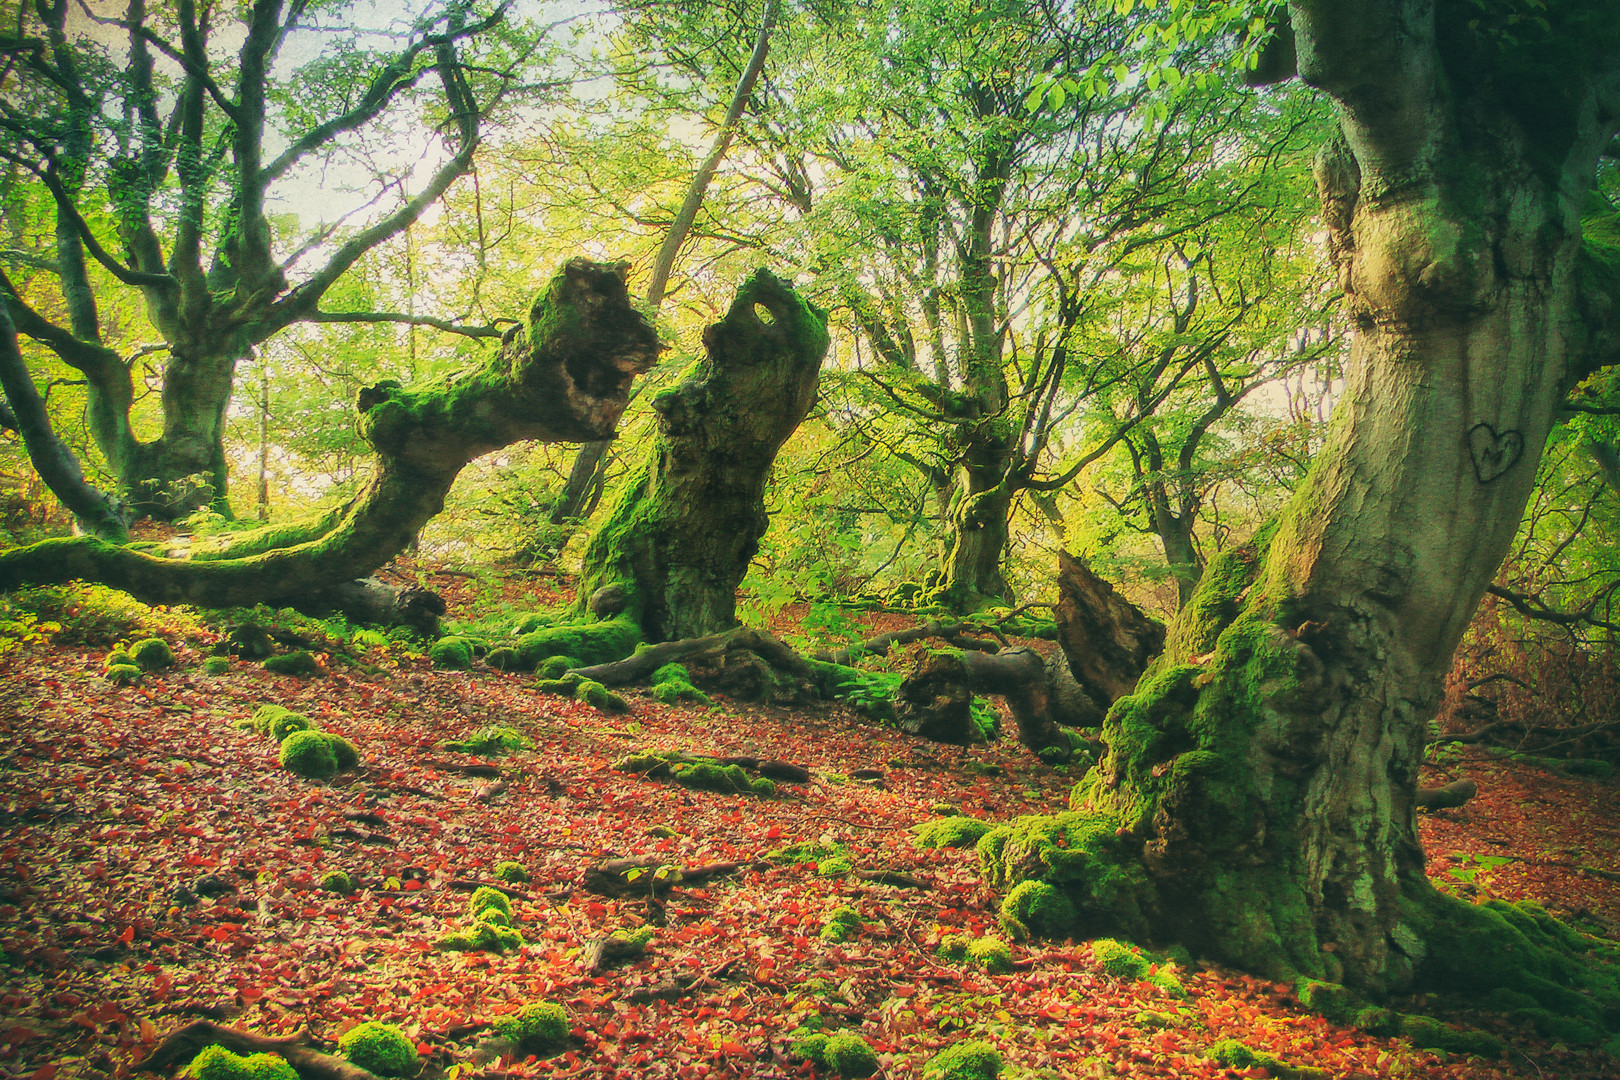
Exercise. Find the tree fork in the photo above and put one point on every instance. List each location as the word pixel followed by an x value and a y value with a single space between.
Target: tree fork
pixel 567 380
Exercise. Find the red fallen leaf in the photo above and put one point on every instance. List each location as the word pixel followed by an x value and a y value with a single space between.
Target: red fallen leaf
pixel 411 884
pixel 127 936
pixel 44 1072
pixel 250 992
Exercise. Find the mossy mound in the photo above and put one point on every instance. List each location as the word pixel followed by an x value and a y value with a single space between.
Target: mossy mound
pixel 339 882
pixel 701 773
pixel 1036 909
pixel 954 947
pixel 504 659
pixel 344 752
pixel 1235 1055
pixel 954 831
pixel 555 667
pixel 539 1029
pixel 599 697
pixel 266 715
pixel 1120 959
pixel 286 723
pixel 672 684
pixel 483 937
pixel 586 643
pixel 485 899
pixel 454 653
pixel 218 1063
pixel 491 741
pixel 309 754
pixel 971 1060
pixel 123 674
pixel 842 1053
pixel 842 923
pixel 152 654
pixel 1169 982
pixel 990 955
pixel 297 662
pixel 1082 853
pixel 513 873
pixel 216 665
pixel 379 1048
pixel 118 658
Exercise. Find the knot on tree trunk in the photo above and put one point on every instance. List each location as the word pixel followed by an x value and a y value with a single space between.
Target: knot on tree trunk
pixel 934 700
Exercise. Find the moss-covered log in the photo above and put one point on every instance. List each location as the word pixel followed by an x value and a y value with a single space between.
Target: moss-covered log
pixel 682 531
pixel 566 380
pixel 1258 797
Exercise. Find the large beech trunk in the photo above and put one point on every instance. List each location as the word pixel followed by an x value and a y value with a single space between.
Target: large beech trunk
pixel 1264 773
pixel 566 381
pixel 681 534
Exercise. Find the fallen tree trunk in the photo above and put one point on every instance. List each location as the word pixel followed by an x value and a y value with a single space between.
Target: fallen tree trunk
pixel 1449 797
pixel 567 380
pixel 376 603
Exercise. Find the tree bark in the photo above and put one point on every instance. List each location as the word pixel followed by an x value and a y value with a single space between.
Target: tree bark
pixel 1262 779
pixel 98 514
pixel 1106 639
pixel 567 380
pixel 681 535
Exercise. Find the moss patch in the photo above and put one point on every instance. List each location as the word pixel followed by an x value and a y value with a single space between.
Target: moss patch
pixel 152 654
pixel 842 923
pixel 540 1028
pixel 949 832
pixel 1120 959
pixel 297 662
pixel 308 753
pixel 218 1063
pixel 1036 909
pixel 492 741
pixel 379 1048
pixel 1080 852
pixel 971 1060
pixel 454 653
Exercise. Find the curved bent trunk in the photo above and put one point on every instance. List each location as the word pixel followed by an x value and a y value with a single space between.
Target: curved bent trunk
pixel 567 381
pixel 681 534
pixel 1261 781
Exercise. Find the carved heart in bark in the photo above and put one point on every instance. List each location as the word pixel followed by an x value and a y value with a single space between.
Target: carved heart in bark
pixel 1494 453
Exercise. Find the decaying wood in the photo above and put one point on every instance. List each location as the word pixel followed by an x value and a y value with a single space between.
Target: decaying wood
pixel 1106 639
pixel 613 877
pixel 1451 795
pixel 488 772
pixel 183 1045
pixel 376 603
pixel 893 877
pixel 711 648
pixel 607 950
pixel 776 770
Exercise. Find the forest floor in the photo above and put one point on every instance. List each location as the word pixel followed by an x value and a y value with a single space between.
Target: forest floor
pixel 158 866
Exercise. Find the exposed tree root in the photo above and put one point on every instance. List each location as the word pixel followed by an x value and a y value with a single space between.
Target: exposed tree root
pixel 183 1045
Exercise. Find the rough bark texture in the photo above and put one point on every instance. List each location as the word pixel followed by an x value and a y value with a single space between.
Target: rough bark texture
pixel 1107 640
pixel 1258 797
pixel 566 381
pixel 681 534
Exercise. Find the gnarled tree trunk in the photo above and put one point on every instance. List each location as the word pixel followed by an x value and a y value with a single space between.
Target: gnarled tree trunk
pixel 566 381
pixel 681 534
pixel 1263 776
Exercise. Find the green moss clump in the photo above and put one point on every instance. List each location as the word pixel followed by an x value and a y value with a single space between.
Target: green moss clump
pixel 599 697
pixel 454 653
pixel 764 787
pixel 491 741
pixel 1119 959
pixel 217 665
pixel 849 1055
pixel 343 751
pixel 297 662
pixel 990 954
pixel 123 674
pixel 286 723
pixel 495 917
pixel 339 882
pixel 118 658
pixel 726 779
pixel 672 683
pixel 379 1048
pixel 645 764
pixel 954 947
pixel 266 715
pixel 485 898
pixel 555 667
pixel 1037 909
pixel 836 866
pixel 949 832
pixel 971 1060
pixel 1080 852
pixel 585 643
pixel 503 659
pixel 152 654
pixel 218 1063
pixel 309 753
pixel 1427 1033
pixel 1234 1055
pixel 539 1029
pixel 1169 982
pixel 511 872
pixel 812 1048
pixel 483 937
pixel 842 923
